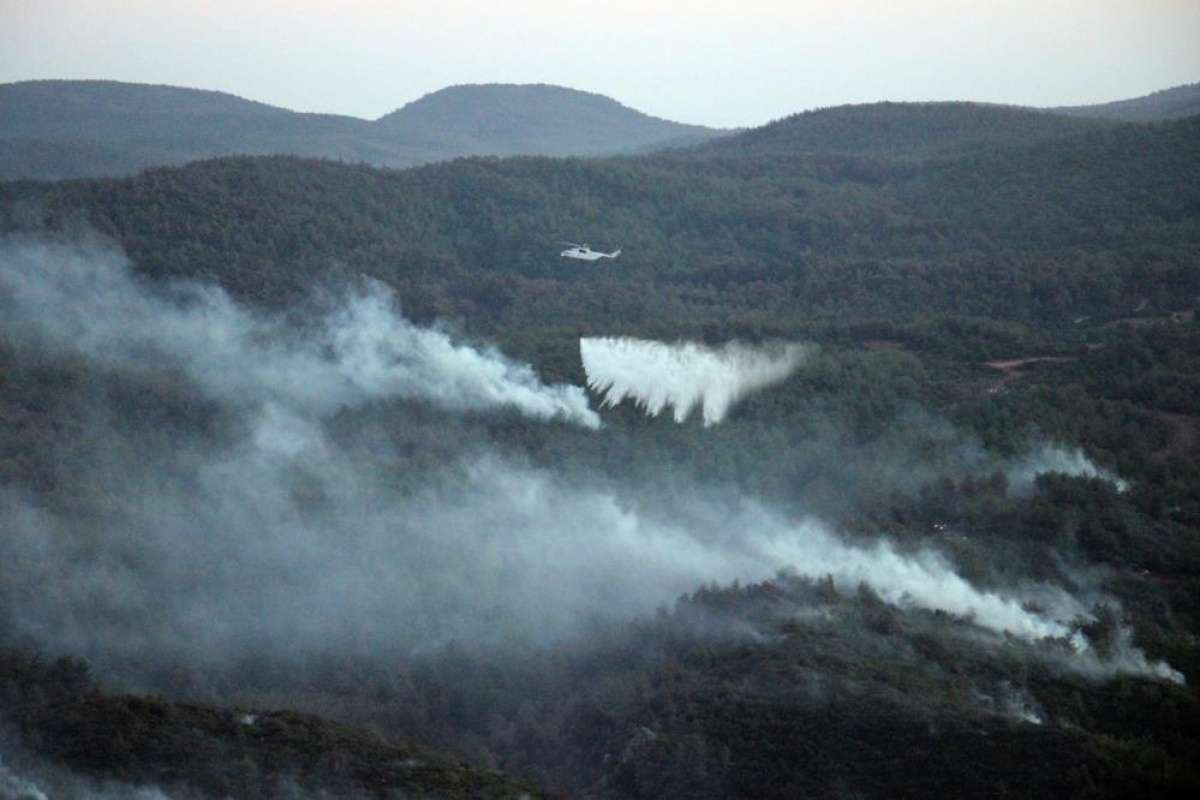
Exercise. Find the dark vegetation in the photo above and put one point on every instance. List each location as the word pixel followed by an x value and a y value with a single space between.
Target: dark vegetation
pixel 58 710
pixel 913 243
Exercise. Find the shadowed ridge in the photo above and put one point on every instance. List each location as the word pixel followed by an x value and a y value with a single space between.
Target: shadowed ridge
pixel 919 129
pixel 536 119
pixel 1174 103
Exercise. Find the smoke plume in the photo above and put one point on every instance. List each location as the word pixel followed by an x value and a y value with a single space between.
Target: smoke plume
pixel 684 375
pixel 83 300
pixel 276 537
pixel 1022 472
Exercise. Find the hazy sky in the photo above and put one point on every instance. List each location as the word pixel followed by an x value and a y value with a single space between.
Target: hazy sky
pixel 716 62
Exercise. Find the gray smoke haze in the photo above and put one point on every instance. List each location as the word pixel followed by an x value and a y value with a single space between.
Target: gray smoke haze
pixel 25 776
pixel 82 299
pixel 684 375
pixel 281 540
pixel 35 779
pixel 920 448
pixel 1055 458
pixel 16 787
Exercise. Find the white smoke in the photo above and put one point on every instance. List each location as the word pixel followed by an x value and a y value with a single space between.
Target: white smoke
pixel 281 542
pixel 14 787
pixel 684 375
pixel 1123 656
pixel 1022 472
pixel 501 553
pixel 83 300
pixel 919 580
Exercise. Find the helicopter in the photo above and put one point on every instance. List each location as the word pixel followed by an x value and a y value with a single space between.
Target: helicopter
pixel 585 253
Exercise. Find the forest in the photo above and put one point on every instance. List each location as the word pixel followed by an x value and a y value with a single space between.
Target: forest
pixel 955 552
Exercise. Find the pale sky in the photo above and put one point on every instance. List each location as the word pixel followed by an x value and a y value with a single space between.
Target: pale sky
pixel 714 62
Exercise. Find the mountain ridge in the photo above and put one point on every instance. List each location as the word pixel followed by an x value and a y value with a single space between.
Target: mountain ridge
pixel 64 129
pixel 1175 102
pixel 535 119
pixel 75 129
pixel 907 128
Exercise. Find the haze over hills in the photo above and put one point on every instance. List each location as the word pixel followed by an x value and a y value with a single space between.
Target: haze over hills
pixel 69 129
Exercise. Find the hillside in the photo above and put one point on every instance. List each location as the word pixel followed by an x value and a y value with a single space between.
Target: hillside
pixel 269 227
pixel 506 119
pixel 150 125
pixel 93 739
pixel 69 129
pixel 1173 103
pixel 900 129
pixel 282 433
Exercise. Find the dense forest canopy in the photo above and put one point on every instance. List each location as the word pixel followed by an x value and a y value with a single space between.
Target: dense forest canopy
pixel 953 550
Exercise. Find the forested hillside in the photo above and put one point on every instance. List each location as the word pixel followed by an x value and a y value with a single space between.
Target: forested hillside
pixel 296 434
pixel 1039 233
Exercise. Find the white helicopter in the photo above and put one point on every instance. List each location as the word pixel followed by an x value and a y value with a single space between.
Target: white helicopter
pixel 585 253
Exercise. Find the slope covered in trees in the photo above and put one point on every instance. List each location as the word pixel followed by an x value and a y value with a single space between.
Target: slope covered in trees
pixel 979 302
pixel 95 739
pixel 1038 233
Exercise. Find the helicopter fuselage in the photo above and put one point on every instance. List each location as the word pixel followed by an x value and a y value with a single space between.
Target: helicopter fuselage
pixel 585 253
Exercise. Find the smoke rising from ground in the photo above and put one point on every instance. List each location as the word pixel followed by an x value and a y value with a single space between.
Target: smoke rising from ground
pixel 280 540
pixel 227 557
pixel 15 787
pixel 39 780
pixel 83 300
pixel 1022 472
pixel 684 375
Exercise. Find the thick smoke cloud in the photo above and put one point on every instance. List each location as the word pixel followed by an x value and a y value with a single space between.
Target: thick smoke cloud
pixel 221 555
pixel 684 375
pixel 279 539
pixel 83 300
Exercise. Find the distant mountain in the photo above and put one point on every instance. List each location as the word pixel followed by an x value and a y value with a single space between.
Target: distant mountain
pixel 512 119
pixel 899 129
pixel 71 129
pixel 1174 103
pixel 66 129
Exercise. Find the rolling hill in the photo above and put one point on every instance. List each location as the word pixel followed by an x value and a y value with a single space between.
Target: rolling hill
pixel 70 129
pixel 507 119
pixel 1173 103
pixel 900 130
